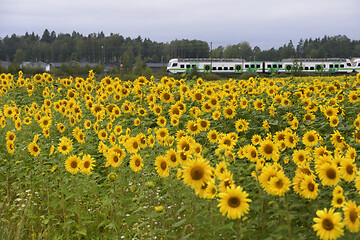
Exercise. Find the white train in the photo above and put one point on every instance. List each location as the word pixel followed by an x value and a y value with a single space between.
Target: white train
pixel 234 65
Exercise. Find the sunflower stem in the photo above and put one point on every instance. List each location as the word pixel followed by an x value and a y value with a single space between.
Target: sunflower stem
pixel 263 230
pixel 288 219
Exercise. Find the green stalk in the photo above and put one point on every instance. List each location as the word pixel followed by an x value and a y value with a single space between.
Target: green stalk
pixel 288 219
pixel 262 219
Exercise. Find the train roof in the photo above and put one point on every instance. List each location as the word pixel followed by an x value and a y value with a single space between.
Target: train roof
pixel 314 60
pixel 210 60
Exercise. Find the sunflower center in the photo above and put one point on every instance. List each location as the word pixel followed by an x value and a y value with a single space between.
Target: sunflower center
pixel 166 96
pixel 135 145
pixel 349 169
pixel 35 149
pixel 116 158
pixel 173 158
pixel 339 200
pixel 353 215
pixel 73 164
pixel 268 149
pixel 311 138
pixel 301 158
pixel 193 128
pixel 137 162
pixel 197 173
pixel 229 111
pixel 311 187
pixel 227 142
pixel 331 173
pixel 185 147
pixel 198 96
pixel 279 184
pixel 253 154
pixel 86 164
pixel 234 202
pixel 327 224
pixel 163 165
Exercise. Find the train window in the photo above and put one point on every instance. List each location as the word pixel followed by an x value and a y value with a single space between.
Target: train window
pixel 257 65
pixel 252 65
pixel 182 66
pixel 187 65
pixel 348 64
pixel 280 66
pixel 213 68
pixel 219 68
pixel 193 66
pixel 174 65
pixel 225 68
pixel 306 68
pixel 331 66
pixel 231 68
pixel 358 64
pixel 269 65
pixel 336 65
pixel 274 66
pixel 312 68
pixel 246 65
pixel 342 65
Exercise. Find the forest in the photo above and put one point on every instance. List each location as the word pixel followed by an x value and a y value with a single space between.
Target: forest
pixel 114 49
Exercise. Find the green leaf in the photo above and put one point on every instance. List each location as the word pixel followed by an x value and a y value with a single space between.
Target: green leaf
pixel 82 232
pixel 179 223
pixel 181 210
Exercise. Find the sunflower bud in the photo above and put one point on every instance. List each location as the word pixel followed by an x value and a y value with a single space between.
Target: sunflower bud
pixel 112 176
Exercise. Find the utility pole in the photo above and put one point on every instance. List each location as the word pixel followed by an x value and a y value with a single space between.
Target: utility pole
pixel 210 57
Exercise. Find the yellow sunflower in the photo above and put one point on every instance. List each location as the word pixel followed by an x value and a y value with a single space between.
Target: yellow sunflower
pixel 65 145
pixel 132 145
pixel 279 184
pixel 192 127
pixel 338 200
pixel 136 162
pixel 87 164
pixel 196 172
pixel 352 216
pixel 328 224
pixel 162 166
pixel 229 112
pixel 348 169
pixel 72 164
pixel 308 187
pixel 269 150
pixel 172 157
pixel 114 158
pixel 10 136
pixel 34 149
pixel 329 174
pixel 310 138
pixel 234 202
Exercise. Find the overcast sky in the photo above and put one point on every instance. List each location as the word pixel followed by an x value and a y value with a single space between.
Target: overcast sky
pixel 263 23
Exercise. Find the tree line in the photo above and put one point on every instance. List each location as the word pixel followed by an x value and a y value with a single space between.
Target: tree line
pixel 116 49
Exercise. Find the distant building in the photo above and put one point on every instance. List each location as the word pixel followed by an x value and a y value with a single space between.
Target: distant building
pixel 156 67
pixel 45 66
pixel 4 64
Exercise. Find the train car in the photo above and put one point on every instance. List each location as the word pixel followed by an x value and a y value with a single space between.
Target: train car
pixel 311 65
pixel 205 65
pixel 235 65
pixel 355 64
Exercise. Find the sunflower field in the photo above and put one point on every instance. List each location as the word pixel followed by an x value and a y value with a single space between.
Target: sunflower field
pixel 102 158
